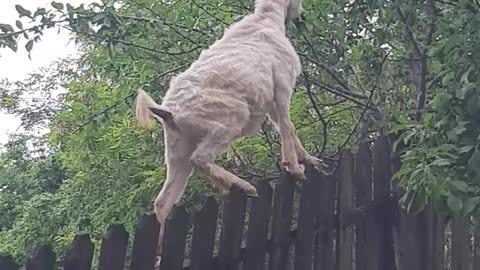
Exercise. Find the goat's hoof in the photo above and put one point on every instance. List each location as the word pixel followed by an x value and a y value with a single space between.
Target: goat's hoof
pixel 252 193
pixel 295 169
pixel 318 164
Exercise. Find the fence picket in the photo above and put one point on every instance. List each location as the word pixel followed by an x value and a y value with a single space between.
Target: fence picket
pixel 113 249
pixel 363 196
pixel 476 253
pixel 257 240
pixel 232 230
pixel 145 243
pixel 305 229
pixel 174 245
pixel 381 225
pixel 80 254
pixel 8 263
pixel 281 221
pixel 345 203
pixel 43 258
pixel 324 248
pixel 203 241
pixel 461 248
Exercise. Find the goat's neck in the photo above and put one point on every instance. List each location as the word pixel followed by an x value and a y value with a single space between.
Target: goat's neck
pixel 274 10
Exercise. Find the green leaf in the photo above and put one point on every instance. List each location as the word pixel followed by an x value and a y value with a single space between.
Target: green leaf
pixel 470 205
pixel 22 11
pixel 474 161
pixel 441 162
pixel 6 28
pixel 465 149
pixel 29 45
pixel 454 203
pixel 57 5
pixel 19 24
pixel 460 185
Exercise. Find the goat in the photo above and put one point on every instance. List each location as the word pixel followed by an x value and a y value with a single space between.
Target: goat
pixel 226 94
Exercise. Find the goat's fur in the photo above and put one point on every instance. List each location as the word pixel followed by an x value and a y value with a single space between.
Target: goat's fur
pixel 226 94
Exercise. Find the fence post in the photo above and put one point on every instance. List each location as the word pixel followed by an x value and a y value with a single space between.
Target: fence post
pixel 257 239
pixel 145 243
pixel 281 221
pixel 113 249
pixel 203 239
pixel 363 196
pixel 232 230
pixel 345 204
pixel 305 227
pixel 80 254
pixel 43 258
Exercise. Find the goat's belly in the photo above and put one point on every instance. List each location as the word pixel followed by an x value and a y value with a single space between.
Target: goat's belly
pixel 254 124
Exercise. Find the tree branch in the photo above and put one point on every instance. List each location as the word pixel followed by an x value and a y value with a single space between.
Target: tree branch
pixel 123 100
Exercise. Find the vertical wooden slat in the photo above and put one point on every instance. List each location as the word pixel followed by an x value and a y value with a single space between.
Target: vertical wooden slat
pixel 145 243
pixel 8 263
pixel 324 249
pixel 461 248
pixel 281 221
pixel 232 230
pixel 203 240
pixel 43 258
pixel 437 241
pixel 257 239
pixel 363 196
pixel 174 245
pixel 476 253
pixel 380 230
pixel 113 249
pixel 345 203
pixel 80 254
pixel 305 227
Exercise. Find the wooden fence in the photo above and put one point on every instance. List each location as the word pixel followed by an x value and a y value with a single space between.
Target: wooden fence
pixel 349 220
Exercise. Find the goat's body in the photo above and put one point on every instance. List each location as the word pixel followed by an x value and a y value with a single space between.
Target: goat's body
pixel 232 82
pixel 226 94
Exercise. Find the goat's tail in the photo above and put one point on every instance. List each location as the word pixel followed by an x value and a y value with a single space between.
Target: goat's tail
pixel 145 107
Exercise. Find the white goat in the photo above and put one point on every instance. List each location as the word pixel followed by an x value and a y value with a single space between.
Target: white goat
pixel 226 94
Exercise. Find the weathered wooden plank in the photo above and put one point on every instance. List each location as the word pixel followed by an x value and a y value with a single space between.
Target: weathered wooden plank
pixel 257 239
pixel 145 243
pixel 174 245
pixel 80 254
pixel 43 258
pixel 281 221
pixel 203 240
pixel 113 249
pixel 324 247
pixel 363 196
pixel 8 263
pixel 381 225
pixel 345 203
pixel 232 230
pixel 476 253
pixel 461 248
pixel 304 241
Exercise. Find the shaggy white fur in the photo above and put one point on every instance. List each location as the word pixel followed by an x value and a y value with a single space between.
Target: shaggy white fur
pixel 227 93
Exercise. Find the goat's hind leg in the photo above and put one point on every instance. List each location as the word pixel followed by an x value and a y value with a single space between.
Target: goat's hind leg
pixel 203 160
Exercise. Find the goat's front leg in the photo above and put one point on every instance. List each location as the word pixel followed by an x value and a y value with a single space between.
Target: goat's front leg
pixel 292 150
